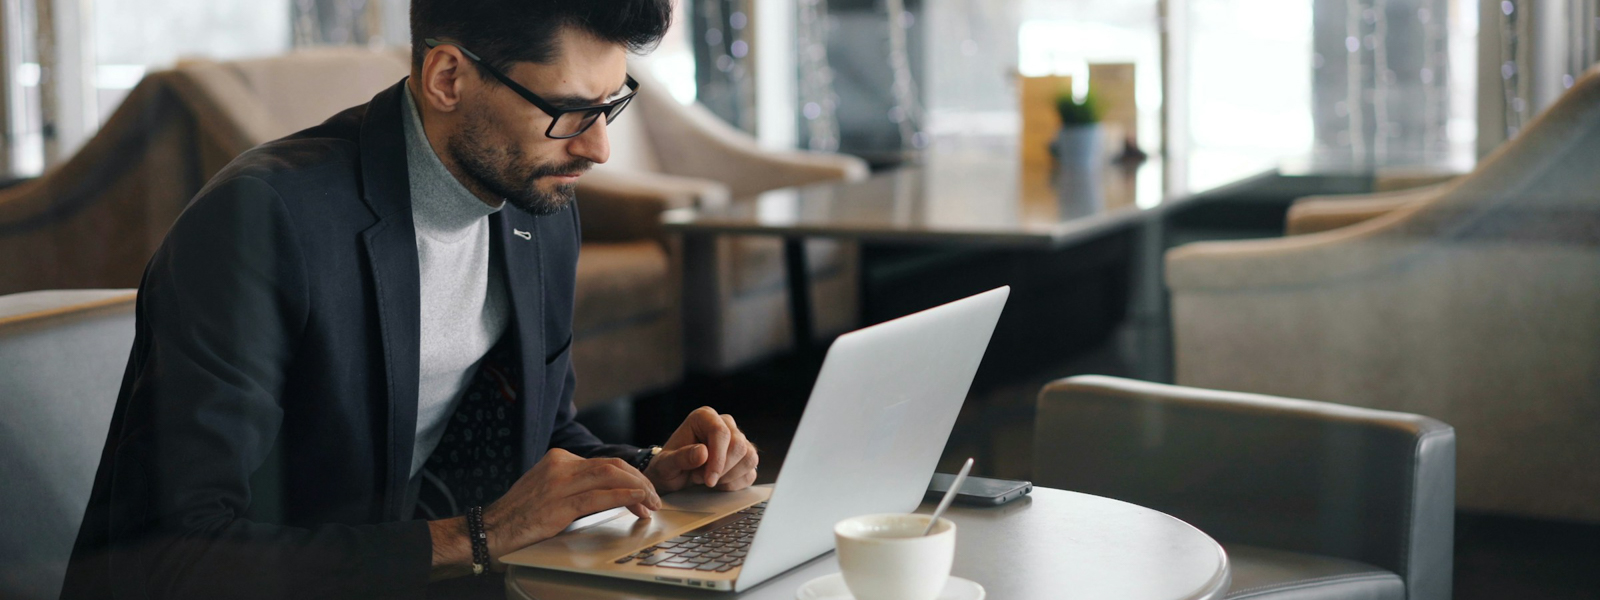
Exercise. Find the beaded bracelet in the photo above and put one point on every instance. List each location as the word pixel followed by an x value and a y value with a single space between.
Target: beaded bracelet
pixel 480 540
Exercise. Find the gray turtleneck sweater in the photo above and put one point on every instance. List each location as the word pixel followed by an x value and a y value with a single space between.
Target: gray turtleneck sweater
pixel 464 306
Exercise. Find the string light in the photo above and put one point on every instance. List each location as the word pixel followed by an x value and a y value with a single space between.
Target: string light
pixel 1510 79
pixel 353 22
pixel 818 100
pixel 1382 79
pixel 731 95
pixel 1435 78
pixel 1582 52
pixel 907 111
pixel 1382 120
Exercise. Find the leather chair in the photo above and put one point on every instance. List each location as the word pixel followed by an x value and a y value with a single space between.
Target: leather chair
pixel 1310 499
pixel 1474 301
pixel 735 293
pixel 96 220
pixel 62 355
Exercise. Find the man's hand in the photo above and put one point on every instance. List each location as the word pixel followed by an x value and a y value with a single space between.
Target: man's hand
pixel 561 488
pixel 707 449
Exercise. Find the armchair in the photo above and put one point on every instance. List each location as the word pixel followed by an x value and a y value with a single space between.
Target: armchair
pixel 735 299
pixel 1392 190
pixel 1313 214
pixel 1476 304
pixel 62 354
pixel 95 220
pixel 1310 499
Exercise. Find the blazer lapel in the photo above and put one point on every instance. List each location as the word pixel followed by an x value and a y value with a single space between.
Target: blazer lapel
pixel 517 242
pixel 391 247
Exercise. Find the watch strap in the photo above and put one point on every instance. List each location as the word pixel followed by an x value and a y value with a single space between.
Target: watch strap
pixel 642 461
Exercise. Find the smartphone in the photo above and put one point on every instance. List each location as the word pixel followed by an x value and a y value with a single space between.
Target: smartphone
pixel 978 491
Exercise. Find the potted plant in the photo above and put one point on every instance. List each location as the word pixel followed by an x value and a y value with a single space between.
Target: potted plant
pixel 1078 143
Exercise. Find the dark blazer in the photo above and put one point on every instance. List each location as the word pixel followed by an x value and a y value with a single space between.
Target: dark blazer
pixel 261 444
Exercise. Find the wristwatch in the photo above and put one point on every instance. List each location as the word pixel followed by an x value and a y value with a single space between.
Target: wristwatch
pixel 645 455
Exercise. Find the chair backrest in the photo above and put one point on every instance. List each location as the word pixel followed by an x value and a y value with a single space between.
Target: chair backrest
pixel 689 140
pixel 629 135
pixel 175 130
pixel 294 91
pixel 62 358
pixel 1539 187
pixel 1297 475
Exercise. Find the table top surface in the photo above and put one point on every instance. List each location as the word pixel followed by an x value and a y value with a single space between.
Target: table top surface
pixel 974 196
pixel 1051 544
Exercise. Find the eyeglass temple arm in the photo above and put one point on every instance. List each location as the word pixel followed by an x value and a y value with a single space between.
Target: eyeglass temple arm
pixel 433 43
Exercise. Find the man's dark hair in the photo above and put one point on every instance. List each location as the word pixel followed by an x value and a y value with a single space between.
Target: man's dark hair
pixel 507 31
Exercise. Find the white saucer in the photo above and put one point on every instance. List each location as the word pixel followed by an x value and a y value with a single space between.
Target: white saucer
pixel 831 587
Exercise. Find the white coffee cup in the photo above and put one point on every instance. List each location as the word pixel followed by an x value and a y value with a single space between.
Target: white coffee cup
pixel 886 557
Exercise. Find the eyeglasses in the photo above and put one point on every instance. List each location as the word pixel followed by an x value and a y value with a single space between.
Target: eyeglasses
pixel 564 122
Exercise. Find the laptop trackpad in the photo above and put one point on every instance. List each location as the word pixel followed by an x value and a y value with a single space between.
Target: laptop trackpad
pixel 602 543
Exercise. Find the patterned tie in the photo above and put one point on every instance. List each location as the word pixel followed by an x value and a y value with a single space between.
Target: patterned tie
pixel 478 458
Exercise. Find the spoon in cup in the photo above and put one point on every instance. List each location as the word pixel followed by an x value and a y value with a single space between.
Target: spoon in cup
pixel 949 495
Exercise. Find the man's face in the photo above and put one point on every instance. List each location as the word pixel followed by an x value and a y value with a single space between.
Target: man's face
pixel 501 144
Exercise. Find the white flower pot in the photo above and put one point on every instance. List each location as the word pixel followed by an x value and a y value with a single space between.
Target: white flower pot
pixel 1080 159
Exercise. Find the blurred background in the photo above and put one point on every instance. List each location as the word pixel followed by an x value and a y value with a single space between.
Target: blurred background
pixel 1389 204
pixel 1235 85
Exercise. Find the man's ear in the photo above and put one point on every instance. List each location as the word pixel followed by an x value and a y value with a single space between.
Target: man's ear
pixel 441 81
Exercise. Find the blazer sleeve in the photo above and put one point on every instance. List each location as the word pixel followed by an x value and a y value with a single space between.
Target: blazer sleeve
pixel 222 306
pixel 570 435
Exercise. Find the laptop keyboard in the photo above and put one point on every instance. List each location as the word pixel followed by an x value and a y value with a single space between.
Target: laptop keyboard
pixel 720 548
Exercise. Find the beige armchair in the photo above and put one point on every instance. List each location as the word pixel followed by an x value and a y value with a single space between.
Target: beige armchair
pixel 1393 189
pixel 735 293
pixel 96 220
pixel 1478 304
pixel 1313 214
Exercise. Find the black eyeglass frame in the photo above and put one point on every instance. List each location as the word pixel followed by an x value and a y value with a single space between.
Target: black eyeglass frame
pixel 610 109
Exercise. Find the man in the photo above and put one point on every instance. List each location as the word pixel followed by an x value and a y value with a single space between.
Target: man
pixel 337 308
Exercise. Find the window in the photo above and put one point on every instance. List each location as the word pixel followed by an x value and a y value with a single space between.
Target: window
pixel 101 56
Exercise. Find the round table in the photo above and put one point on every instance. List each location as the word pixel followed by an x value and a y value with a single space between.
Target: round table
pixel 1052 544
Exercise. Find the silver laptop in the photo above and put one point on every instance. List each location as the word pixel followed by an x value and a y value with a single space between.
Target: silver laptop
pixel 873 430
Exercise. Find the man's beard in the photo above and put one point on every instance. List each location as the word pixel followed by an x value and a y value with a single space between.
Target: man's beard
pixel 506 172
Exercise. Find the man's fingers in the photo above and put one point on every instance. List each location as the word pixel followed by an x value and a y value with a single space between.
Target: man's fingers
pixel 734 482
pixel 738 447
pixel 612 473
pixel 743 473
pixel 685 458
pixel 639 510
pixel 715 433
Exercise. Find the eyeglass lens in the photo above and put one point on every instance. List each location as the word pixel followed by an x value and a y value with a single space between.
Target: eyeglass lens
pixel 573 124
